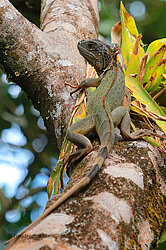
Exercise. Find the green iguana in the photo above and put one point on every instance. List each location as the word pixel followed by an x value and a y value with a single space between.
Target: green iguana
pixel 105 110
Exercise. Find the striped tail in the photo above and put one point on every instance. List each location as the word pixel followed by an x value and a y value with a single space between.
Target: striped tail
pixel 107 135
pixel 105 130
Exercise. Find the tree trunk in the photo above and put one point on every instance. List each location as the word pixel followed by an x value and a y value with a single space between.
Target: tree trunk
pixel 123 208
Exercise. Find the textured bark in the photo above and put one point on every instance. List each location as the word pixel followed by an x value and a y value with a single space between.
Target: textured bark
pixel 123 208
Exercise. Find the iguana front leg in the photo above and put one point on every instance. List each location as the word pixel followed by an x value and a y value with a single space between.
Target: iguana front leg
pixel 76 134
pixel 88 82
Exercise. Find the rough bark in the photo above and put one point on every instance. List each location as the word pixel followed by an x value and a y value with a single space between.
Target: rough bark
pixel 124 206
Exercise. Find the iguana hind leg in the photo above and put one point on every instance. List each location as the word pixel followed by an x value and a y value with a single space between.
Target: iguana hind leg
pixel 120 116
pixel 125 129
pixel 105 129
pixel 76 134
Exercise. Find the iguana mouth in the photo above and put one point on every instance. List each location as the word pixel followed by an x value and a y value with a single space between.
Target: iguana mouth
pixel 89 56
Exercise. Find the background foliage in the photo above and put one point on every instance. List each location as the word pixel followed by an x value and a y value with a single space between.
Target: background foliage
pixel 25 148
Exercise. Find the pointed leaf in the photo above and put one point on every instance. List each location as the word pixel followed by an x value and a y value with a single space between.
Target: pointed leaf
pixel 133 65
pixel 142 96
pixel 129 35
pixel 155 69
pixel 153 141
pixel 53 178
pixel 155 46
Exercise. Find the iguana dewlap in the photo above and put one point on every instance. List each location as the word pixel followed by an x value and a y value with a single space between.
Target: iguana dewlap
pixel 105 111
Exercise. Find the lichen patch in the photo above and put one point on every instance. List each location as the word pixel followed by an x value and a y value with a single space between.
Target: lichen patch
pixel 30 56
pixel 3 3
pixel 118 209
pixel 64 63
pixel 139 144
pixel 107 241
pixel 49 88
pixel 66 97
pixel 58 110
pixel 53 224
pixel 146 236
pixel 58 131
pixel 9 15
pixel 128 171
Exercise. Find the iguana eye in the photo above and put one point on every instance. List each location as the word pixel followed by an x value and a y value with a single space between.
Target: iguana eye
pixel 90 46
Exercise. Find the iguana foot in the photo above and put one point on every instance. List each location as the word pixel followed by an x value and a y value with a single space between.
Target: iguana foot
pixel 75 87
pixel 138 134
pixel 72 158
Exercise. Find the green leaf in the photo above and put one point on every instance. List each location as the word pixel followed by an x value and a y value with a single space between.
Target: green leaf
pixel 155 69
pixel 163 109
pixel 153 141
pixel 129 35
pixel 163 237
pixel 142 96
pixel 155 46
pixel 133 65
pixel 56 183
pixel 54 178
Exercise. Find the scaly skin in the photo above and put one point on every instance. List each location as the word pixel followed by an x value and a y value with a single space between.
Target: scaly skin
pixel 105 111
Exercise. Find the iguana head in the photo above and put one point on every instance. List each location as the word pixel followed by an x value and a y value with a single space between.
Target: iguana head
pixel 97 53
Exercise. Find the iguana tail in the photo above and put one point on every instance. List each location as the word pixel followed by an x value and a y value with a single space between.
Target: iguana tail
pixel 105 130
pixel 106 135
